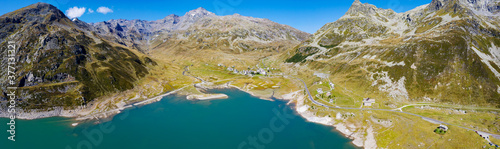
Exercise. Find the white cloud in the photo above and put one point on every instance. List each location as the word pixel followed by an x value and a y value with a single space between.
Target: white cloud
pixel 91 11
pixel 75 12
pixel 104 10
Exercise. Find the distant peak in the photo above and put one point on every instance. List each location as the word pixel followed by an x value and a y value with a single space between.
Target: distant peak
pixel 201 9
pixel 172 15
pixel 199 12
pixel 437 4
pixel 41 5
pixel 359 8
pixel 44 11
pixel 356 2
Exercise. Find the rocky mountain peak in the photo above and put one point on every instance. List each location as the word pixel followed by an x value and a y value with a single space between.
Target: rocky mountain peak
pixel 43 6
pixel 484 7
pixel 41 12
pixel 199 12
pixel 479 7
pixel 357 2
pixel 171 16
pixel 192 16
pixel 359 8
pixel 439 4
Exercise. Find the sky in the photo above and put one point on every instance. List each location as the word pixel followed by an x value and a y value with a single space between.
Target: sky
pixel 307 16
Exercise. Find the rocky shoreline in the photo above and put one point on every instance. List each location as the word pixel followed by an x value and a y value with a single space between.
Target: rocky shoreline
pixel 348 130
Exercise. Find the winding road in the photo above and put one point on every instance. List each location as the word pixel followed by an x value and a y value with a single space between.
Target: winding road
pixel 423 117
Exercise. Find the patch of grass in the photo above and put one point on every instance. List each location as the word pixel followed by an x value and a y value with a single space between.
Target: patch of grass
pixel 439 131
pixel 301 54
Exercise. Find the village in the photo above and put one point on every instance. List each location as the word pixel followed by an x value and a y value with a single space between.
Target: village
pixel 250 71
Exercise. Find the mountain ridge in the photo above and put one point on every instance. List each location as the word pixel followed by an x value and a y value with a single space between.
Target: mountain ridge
pixel 173 24
pixel 431 37
pixel 87 61
pixel 61 63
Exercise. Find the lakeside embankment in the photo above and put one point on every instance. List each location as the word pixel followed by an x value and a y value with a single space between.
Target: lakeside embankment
pixel 302 109
pixel 348 130
pixel 81 113
pixel 207 97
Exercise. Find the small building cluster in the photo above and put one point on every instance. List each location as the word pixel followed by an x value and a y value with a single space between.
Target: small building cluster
pixel 332 85
pixel 250 71
pixel 319 90
pixel 368 102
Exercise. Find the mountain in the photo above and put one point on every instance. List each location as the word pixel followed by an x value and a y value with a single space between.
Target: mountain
pixel 246 32
pixel 63 63
pixel 446 51
pixel 71 63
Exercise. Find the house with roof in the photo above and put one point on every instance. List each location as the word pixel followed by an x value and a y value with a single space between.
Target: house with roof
pixel 443 127
pixel 368 102
pixel 320 91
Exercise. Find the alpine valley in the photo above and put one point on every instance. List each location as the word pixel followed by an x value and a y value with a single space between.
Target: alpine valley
pixel 382 78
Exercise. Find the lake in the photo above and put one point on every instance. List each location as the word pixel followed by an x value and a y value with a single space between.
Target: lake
pixel 241 121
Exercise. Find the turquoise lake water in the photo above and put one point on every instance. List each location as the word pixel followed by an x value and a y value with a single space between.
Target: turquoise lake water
pixel 241 121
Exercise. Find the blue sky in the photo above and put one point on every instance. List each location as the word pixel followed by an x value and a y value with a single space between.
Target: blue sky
pixel 307 16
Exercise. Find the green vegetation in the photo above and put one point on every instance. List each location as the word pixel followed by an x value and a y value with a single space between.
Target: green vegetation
pixel 301 54
pixel 439 131
pixel 298 57
pixel 428 25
